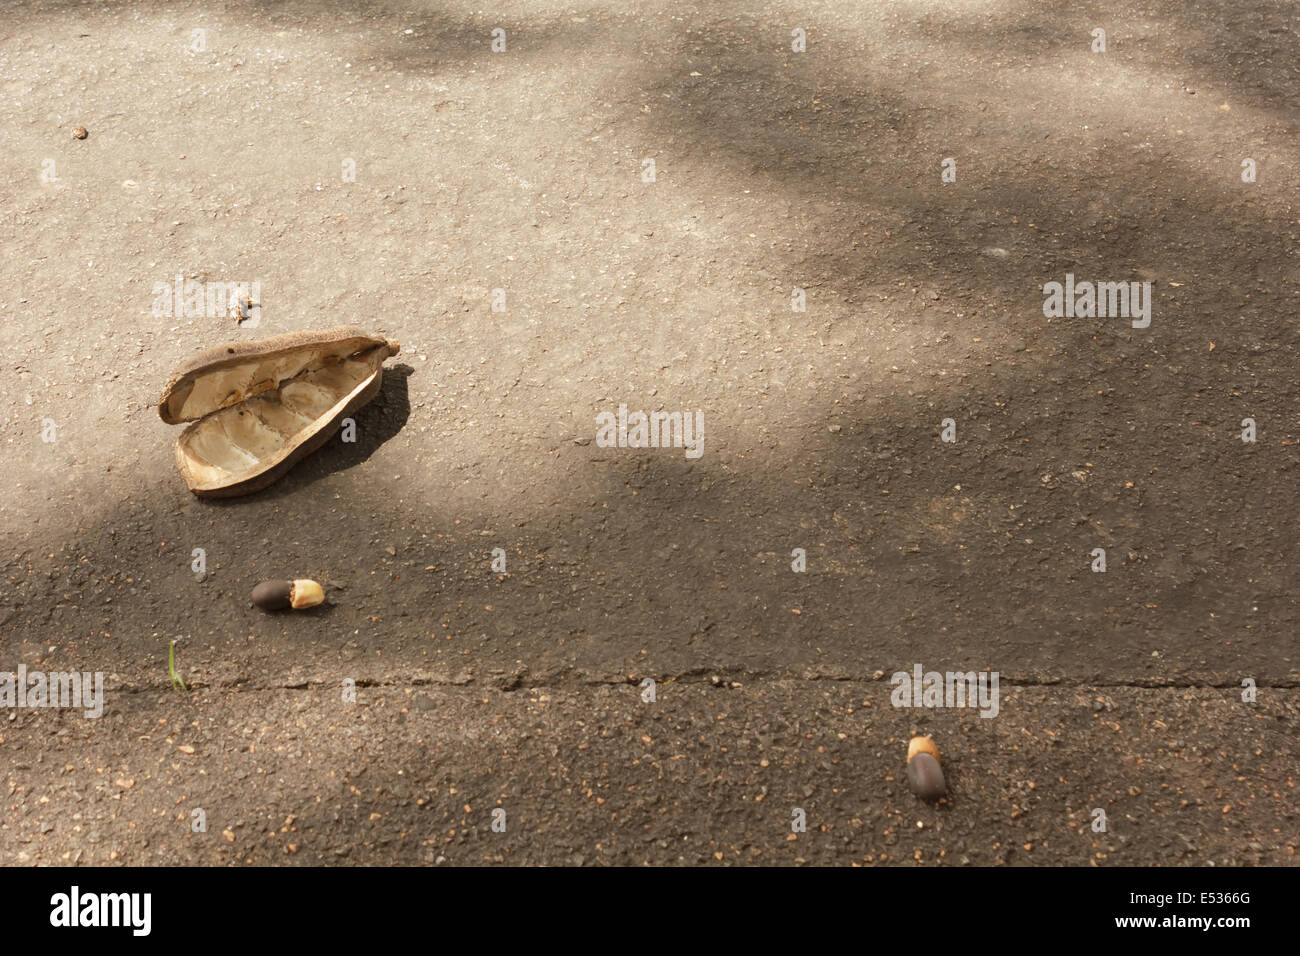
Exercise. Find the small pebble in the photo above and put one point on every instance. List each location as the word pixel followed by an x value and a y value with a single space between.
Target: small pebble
pixel 80 132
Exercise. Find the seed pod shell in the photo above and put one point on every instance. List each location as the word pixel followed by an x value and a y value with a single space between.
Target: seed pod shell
pixel 258 408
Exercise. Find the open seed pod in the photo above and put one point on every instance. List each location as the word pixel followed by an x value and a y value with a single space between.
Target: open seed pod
pixel 258 408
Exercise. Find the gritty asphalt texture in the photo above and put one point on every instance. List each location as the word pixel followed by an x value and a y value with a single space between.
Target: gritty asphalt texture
pixel 523 171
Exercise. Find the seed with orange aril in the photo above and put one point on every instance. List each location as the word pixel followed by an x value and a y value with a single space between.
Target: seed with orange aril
pixel 923 773
pixel 282 595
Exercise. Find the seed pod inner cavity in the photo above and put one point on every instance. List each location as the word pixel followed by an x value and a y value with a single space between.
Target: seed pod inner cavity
pixel 256 408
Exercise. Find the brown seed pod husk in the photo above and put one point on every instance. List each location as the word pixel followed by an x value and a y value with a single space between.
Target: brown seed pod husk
pixel 257 408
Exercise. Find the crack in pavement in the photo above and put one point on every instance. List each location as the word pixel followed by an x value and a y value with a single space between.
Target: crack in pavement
pixel 511 683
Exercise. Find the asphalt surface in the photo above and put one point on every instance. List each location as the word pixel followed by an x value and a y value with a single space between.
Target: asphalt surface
pixel 525 171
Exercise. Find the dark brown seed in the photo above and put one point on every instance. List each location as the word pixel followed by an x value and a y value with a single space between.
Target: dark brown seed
pixel 273 595
pixel 925 778
pixel 299 594
pixel 79 132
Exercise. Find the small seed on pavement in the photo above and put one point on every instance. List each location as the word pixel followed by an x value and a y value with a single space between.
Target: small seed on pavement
pixel 923 773
pixel 281 595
